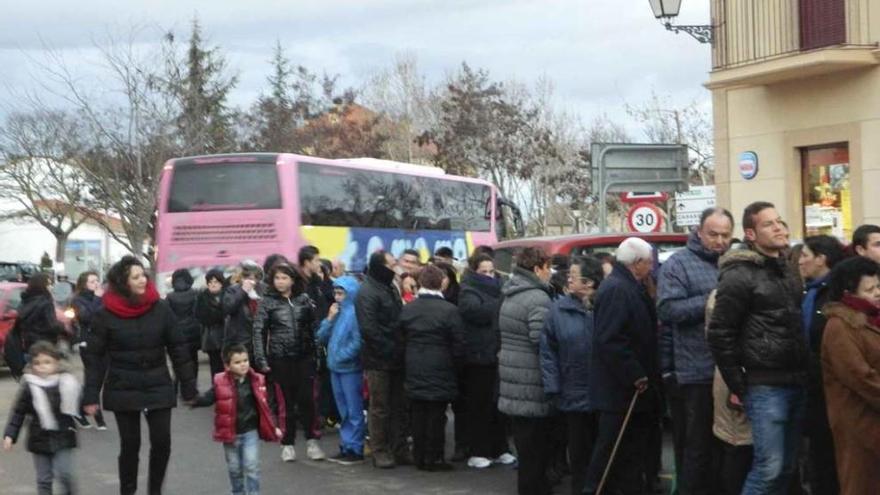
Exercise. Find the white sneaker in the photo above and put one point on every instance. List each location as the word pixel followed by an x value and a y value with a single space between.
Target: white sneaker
pixel 506 458
pixel 479 462
pixel 313 451
pixel 288 453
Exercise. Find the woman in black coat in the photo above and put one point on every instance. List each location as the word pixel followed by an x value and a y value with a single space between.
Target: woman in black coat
pixel 209 313
pixel 86 304
pixel 478 304
pixel 240 301
pixel 432 332
pixel 130 339
pixel 36 315
pixel 183 303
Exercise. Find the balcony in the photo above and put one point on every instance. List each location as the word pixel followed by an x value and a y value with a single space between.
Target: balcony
pixel 766 41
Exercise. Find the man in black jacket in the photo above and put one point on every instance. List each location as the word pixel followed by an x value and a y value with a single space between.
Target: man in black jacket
pixel 378 307
pixel 757 340
pixel 623 362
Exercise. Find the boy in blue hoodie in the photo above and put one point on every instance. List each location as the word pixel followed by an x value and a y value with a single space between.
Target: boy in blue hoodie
pixel 340 333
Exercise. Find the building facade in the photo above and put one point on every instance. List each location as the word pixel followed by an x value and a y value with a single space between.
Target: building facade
pixel 796 96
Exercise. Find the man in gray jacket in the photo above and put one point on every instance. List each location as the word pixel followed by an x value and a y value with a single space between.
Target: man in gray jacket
pixel 521 394
pixel 683 287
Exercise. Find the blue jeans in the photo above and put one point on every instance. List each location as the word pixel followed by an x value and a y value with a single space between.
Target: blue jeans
pixel 347 391
pixel 777 416
pixel 243 463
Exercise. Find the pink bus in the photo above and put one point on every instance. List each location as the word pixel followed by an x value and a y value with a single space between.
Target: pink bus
pixel 217 210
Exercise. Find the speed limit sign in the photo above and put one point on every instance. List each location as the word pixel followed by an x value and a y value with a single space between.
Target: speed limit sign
pixel 644 217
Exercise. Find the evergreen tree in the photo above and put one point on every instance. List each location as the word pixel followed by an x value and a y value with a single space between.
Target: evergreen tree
pixel 202 87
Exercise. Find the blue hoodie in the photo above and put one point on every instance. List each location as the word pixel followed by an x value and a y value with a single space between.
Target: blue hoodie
pixel 342 336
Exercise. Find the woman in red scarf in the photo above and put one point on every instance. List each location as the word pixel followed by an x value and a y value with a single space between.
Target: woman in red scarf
pixel 850 362
pixel 130 339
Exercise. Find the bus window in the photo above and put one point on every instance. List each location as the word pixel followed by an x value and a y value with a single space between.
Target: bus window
pixel 224 186
pixel 509 224
pixel 346 197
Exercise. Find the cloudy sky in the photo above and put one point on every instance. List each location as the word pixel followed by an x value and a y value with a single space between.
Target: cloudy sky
pixel 599 53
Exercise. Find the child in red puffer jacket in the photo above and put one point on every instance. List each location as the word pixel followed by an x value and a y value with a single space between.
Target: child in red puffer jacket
pixel 241 418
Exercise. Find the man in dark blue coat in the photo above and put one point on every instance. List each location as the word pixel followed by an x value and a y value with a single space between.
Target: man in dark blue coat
pixel 683 287
pixel 624 362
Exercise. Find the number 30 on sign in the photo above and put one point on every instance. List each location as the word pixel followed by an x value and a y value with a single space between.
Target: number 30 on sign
pixel 644 217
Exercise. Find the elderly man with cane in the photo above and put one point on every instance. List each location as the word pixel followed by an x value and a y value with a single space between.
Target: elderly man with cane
pixel 624 364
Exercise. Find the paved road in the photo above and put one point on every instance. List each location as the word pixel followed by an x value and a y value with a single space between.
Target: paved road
pixel 197 465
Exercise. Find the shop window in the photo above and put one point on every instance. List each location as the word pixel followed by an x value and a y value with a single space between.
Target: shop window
pixel 827 193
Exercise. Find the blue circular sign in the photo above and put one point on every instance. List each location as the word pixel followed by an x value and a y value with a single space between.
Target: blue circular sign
pixel 748 164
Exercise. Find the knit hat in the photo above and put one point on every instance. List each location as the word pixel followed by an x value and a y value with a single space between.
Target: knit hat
pixel 181 280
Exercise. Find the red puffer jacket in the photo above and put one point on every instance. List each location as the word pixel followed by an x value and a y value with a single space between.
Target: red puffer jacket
pixel 225 404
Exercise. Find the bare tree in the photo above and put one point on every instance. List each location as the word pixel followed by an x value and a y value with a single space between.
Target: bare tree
pixel 409 106
pixel 691 124
pixel 34 175
pixel 127 127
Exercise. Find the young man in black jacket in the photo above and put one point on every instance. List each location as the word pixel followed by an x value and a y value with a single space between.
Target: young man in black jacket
pixel 757 340
pixel 378 308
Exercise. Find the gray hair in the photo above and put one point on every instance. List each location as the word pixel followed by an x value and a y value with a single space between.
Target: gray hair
pixel 633 249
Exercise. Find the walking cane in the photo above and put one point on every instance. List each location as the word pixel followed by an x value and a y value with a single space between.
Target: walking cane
pixel 632 404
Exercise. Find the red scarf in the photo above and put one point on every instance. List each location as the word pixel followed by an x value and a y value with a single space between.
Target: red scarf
pixel 123 307
pixel 863 306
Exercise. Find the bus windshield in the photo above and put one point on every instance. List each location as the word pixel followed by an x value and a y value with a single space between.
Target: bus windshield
pixel 224 186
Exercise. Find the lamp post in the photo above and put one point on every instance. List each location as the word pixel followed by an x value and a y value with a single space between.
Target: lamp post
pixel 666 10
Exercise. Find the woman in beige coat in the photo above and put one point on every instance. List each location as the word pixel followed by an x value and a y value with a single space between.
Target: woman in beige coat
pixel 850 364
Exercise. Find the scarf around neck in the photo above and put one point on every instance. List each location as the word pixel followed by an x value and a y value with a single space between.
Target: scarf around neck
pixel 863 306
pixel 124 307
pixel 68 388
pixel 429 292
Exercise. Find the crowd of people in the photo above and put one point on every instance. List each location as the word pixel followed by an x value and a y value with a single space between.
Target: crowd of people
pixel 763 355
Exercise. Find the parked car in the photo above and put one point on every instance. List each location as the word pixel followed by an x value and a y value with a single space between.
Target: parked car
pixel 10 300
pixel 17 271
pixel 585 244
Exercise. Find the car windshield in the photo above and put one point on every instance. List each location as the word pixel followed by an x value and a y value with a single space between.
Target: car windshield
pixel 8 272
pixel 664 249
pixel 13 298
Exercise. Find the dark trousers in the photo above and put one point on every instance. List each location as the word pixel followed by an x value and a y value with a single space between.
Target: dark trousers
pixel 460 428
pixel 627 474
pixel 87 362
pixel 294 377
pixel 676 413
pixel 129 423
pixel 215 361
pixel 387 422
pixel 428 431
pixel 582 429
pixel 485 426
pixel 695 477
pixel 533 450
pixel 734 463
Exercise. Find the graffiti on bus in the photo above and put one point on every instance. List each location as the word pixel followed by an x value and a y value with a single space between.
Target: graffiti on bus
pixel 353 245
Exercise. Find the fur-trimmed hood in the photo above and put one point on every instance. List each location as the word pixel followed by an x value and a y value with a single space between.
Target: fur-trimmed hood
pixel 742 255
pixel 852 318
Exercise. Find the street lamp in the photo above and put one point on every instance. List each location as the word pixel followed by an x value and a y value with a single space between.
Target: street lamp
pixel 666 10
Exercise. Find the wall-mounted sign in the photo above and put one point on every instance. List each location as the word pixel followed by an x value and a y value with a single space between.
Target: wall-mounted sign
pixel 748 164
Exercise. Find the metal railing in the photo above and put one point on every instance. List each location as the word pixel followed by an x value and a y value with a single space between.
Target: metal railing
pixel 748 31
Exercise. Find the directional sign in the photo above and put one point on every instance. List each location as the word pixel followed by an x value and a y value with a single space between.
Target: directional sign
pixel 644 218
pixel 694 205
pixel 691 203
